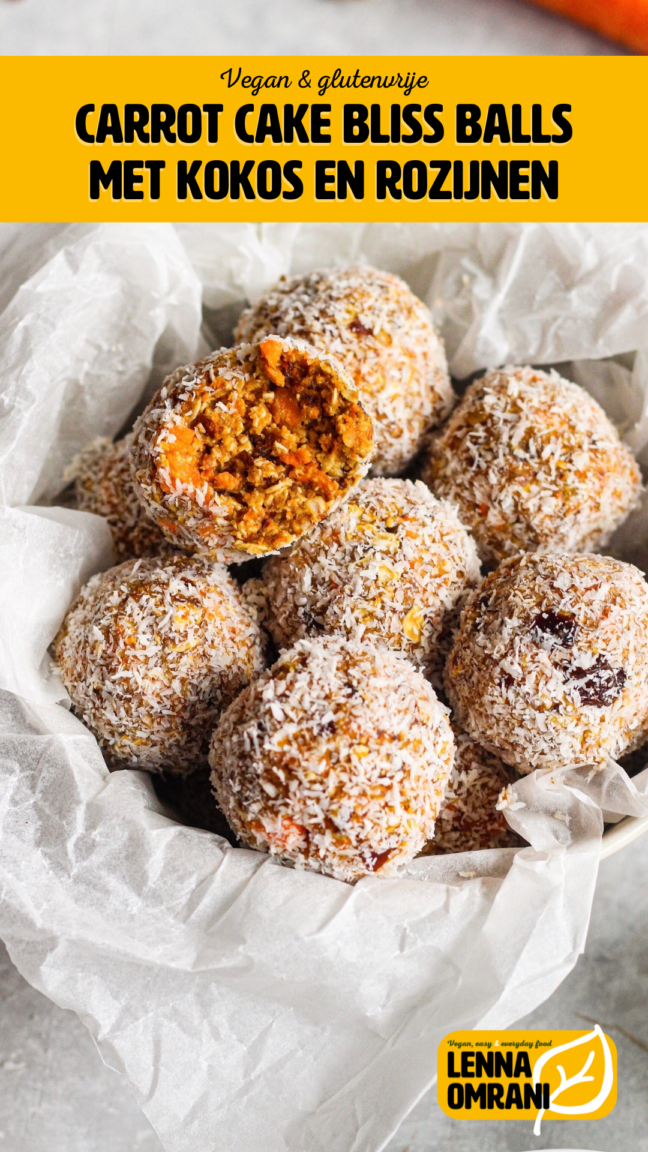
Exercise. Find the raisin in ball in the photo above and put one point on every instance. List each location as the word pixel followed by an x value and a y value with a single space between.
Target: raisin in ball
pixel 548 666
pixel 533 464
pixel 151 652
pixel 336 759
pixel 242 453
pixel 384 337
pixel 391 565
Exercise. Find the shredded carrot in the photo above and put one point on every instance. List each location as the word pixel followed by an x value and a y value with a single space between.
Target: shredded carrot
pixel 226 482
pixel 182 456
pixel 271 350
pixel 313 476
pixel 300 456
pixel 285 409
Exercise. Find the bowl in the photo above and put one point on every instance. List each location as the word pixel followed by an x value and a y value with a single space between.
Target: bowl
pixel 619 835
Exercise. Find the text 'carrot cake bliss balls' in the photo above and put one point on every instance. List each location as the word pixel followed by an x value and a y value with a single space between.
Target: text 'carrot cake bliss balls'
pixel 533 464
pixel 243 452
pixel 150 652
pixel 548 666
pixel 382 335
pixel 391 565
pixel 104 485
pixel 469 819
pixel 335 759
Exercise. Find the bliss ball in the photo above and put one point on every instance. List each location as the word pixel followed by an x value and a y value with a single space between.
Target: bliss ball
pixel 336 759
pixel 469 819
pixel 548 666
pixel 533 464
pixel 392 566
pixel 151 652
pixel 382 335
pixel 242 453
pixel 103 485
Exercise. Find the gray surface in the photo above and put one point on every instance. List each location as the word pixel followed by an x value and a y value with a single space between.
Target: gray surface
pixel 57 1096
pixel 480 27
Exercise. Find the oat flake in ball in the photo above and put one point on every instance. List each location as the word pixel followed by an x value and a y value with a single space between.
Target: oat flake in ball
pixel 391 566
pixel 384 337
pixel 103 485
pixel 533 464
pixel 243 452
pixel 335 759
pixel 150 652
pixel 548 666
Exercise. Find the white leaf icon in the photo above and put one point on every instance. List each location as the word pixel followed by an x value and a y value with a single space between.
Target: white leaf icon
pixel 580 1078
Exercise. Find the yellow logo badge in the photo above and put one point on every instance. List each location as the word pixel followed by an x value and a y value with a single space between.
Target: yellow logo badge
pixel 512 1075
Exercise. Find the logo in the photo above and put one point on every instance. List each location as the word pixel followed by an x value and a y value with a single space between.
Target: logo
pixel 537 1076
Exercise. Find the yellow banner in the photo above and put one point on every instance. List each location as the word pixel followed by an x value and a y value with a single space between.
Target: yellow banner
pixel 538 1076
pixel 298 138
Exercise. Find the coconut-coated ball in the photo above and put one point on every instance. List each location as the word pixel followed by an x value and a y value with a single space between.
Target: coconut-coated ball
pixel 533 464
pixel 548 666
pixel 391 565
pixel 336 759
pixel 382 335
pixel 151 652
pixel 469 819
pixel 242 453
pixel 104 485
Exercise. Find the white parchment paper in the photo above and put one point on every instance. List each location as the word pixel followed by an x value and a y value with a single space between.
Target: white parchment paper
pixel 252 1006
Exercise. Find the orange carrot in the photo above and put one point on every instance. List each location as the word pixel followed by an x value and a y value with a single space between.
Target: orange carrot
pixel 625 21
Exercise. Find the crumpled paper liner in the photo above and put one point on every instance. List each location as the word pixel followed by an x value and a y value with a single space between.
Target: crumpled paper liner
pixel 251 1005
pixel 78 340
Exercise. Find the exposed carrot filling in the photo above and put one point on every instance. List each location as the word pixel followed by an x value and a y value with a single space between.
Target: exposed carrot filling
pixel 285 409
pixel 183 455
pixel 277 442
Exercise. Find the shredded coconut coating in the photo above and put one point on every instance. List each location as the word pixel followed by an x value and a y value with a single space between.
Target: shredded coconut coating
pixel 384 337
pixel 242 453
pixel 548 666
pixel 533 464
pixel 392 565
pixel 151 652
pixel 103 485
pixel 336 759
pixel 469 820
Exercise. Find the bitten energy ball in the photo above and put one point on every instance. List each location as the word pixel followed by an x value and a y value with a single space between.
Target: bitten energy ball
pixel 384 337
pixel 103 485
pixel 548 667
pixel 533 464
pixel 391 566
pixel 469 820
pixel 335 759
pixel 150 652
pixel 242 453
